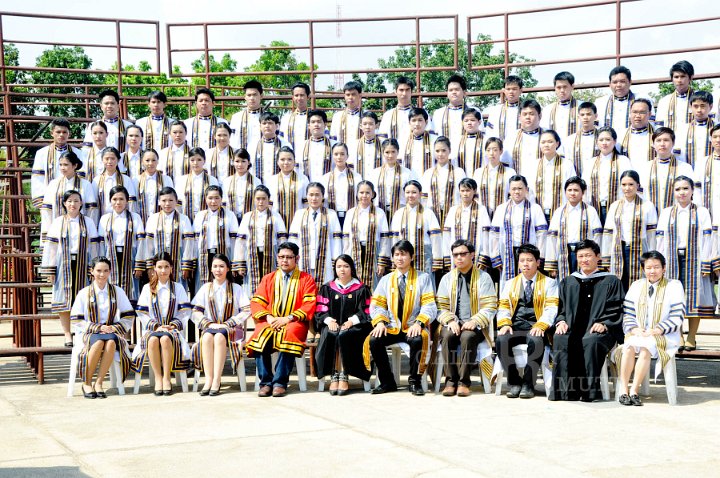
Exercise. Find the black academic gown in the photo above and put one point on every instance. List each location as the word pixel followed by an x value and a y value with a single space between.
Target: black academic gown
pixel 578 355
pixel 341 304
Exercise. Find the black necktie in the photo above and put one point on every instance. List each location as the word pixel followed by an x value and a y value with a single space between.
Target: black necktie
pixel 314 215
pixel 651 291
pixel 401 302
pixel 528 291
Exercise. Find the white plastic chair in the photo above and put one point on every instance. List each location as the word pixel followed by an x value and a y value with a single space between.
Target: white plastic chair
pixel 115 372
pixel 520 354
pixel 441 363
pixel 301 372
pixel 397 352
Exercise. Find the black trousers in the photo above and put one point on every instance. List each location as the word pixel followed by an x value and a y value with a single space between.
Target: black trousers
pixel 535 349
pixel 382 362
pixel 577 361
pixel 459 366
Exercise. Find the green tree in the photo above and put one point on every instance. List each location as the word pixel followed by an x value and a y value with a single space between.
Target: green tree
pixel 139 86
pixel 442 55
pixel 278 60
pixel 665 89
pixel 374 83
pixel 15 78
pixel 71 83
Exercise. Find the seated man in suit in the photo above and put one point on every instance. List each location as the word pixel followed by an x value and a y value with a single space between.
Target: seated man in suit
pixel 401 310
pixel 528 306
pixel 588 324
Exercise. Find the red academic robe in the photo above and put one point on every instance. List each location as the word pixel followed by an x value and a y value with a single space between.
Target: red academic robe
pixel 300 303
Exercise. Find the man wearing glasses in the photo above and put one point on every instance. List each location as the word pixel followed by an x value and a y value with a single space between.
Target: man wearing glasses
pixel 466 306
pixel 282 308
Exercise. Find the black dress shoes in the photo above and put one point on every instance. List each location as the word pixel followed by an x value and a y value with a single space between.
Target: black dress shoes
pixel 384 389
pixel 514 391
pixel 527 391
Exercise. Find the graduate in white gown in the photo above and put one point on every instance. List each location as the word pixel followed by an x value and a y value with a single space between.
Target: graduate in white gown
pixel 707 175
pixel 395 122
pixel 345 127
pixel 163 309
pixel 447 121
pixel 116 126
pixel 220 309
pixel 581 146
pixel 315 159
pixel 149 184
pixel 287 188
pixel 103 315
pixel 441 183
pixel 653 313
pixel 219 163
pixel 419 225
pixel 71 243
pixel 340 183
pixel 111 177
pixel 367 236
pixel 260 231
pixel 685 237
pixel 192 187
pixel 169 231
pixel 673 110
pixel 550 174
pixel 516 222
pixel 130 160
pixel 46 165
pixel 614 109
pixel 468 154
pixel 390 178
pixel 693 141
pixel 266 147
pixel 92 153
pixel 602 173
pixel 216 231
pixel 636 142
pixel 317 232
pixel 658 175
pixel 174 160
pixel 573 222
pixel 369 151
pixel 239 186
pixel 493 179
pixel 201 127
pixel 122 240
pixel 467 220
pixel 629 231
pixel 67 180
pixel 504 119
pixel 522 150
pixel 417 155
pixel 294 123
pixel 156 126
pixel 562 114
pixel 245 124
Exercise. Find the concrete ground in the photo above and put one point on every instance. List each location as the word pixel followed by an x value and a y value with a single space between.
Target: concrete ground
pixel 45 434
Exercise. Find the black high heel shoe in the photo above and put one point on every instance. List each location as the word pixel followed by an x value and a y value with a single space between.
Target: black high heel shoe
pixel 90 394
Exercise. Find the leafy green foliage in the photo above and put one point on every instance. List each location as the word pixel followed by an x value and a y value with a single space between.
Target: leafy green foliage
pixel 443 56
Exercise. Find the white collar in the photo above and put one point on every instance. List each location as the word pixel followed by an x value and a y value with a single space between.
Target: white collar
pixel 164 286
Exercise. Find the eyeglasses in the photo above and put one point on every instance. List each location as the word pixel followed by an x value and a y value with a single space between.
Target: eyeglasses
pixel 460 254
pixel 285 258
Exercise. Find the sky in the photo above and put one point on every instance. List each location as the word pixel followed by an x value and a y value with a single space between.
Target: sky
pixel 181 11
